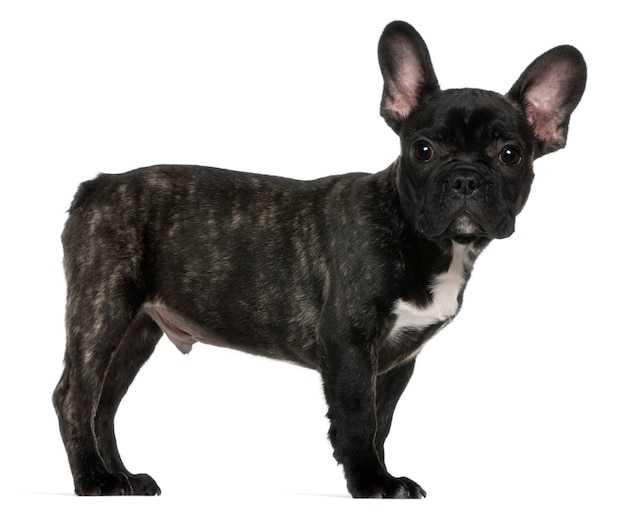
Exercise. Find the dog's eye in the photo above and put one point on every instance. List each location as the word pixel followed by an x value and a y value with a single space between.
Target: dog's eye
pixel 510 155
pixel 423 151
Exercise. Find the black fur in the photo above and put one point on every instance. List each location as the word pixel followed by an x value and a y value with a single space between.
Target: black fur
pixel 315 273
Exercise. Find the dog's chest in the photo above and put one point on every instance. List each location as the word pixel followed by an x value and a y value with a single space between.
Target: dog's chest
pixel 445 290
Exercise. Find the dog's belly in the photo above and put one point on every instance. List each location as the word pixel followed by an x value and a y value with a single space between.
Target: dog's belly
pixel 414 326
pixel 184 331
pixel 180 330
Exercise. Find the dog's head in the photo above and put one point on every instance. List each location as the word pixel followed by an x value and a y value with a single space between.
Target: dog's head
pixel 467 154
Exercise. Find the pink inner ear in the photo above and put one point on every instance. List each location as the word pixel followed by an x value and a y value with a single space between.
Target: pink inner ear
pixel 404 87
pixel 545 109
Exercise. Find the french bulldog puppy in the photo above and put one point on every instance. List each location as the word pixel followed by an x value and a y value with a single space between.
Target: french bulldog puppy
pixel 349 275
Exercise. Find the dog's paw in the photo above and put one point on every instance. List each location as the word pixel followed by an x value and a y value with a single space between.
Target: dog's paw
pixel 143 485
pixel 387 487
pixel 116 484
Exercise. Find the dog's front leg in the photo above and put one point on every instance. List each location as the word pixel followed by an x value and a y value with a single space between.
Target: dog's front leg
pixel 389 387
pixel 349 376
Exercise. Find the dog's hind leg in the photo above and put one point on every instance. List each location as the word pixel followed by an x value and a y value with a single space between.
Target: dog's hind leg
pixel 108 339
pixel 136 347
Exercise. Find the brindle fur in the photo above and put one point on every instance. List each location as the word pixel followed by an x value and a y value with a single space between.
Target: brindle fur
pixel 316 273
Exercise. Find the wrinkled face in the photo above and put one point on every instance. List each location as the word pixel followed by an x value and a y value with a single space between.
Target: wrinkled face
pixel 466 166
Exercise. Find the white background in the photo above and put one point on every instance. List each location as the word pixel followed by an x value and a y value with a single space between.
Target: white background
pixel 517 405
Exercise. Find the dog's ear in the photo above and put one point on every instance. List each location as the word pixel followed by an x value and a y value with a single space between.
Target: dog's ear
pixel 548 92
pixel 407 72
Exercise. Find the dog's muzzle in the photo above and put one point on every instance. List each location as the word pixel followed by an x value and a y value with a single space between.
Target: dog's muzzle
pixel 463 202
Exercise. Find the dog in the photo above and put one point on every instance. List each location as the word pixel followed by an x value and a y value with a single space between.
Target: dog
pixel 349 275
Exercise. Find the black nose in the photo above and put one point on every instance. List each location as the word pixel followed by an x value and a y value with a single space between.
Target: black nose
pixel 465 182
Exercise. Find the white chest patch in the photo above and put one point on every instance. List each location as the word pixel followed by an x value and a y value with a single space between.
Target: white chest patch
pixel 444 288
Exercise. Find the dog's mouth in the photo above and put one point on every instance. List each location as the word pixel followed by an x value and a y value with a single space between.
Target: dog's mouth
pixel 464 228
pixel 465 220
